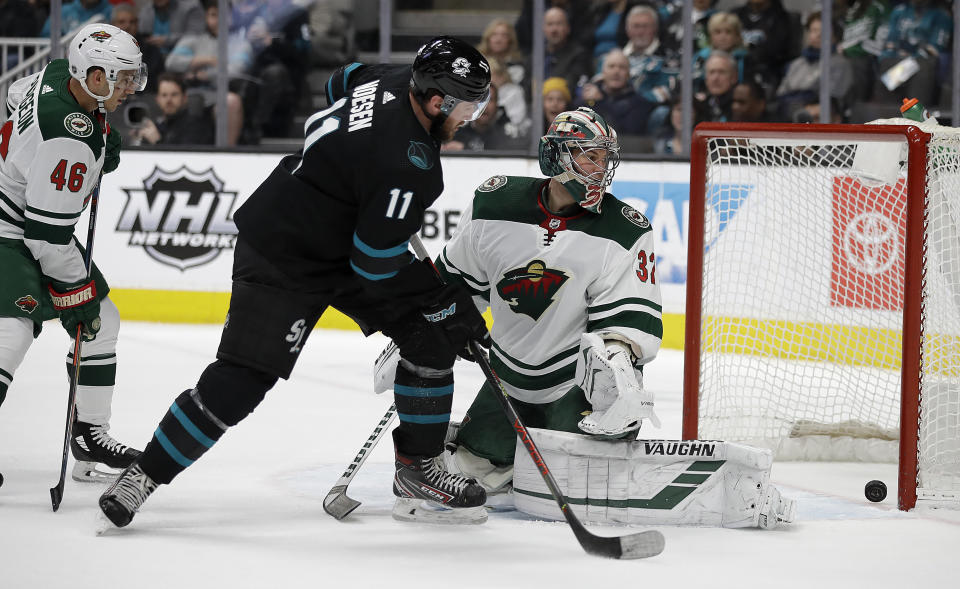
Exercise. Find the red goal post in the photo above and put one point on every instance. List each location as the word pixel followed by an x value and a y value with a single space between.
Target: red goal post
pixel 823 295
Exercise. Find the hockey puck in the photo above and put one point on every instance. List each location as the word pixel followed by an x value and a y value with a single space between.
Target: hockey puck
pixel 875 491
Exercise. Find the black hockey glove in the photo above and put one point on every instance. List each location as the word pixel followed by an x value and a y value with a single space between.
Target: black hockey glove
pixel 77 304
pixel 451 309
pixel 111 161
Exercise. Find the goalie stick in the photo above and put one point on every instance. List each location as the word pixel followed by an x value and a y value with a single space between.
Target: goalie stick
pixel 637 545
pixel 337 503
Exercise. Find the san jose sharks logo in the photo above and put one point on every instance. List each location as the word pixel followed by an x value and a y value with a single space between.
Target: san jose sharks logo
pixel 530 290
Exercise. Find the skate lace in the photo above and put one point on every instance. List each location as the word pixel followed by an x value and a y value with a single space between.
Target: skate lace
pixel 133 488
pixel 103 439
pixel 440 477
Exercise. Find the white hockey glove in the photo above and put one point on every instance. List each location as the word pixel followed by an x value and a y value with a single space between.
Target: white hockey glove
pixel 613 387
pixel 385 368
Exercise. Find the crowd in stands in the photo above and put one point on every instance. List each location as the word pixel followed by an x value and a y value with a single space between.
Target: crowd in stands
pixel 268 57
pixel 753 60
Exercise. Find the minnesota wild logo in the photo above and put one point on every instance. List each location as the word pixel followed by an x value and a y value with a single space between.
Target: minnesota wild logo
pixel 530 290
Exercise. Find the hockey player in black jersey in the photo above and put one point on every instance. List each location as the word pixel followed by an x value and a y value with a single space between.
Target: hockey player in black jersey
pixel 330 228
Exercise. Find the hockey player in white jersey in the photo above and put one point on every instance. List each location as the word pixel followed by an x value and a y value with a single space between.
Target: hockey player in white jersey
pixel 569 273
pixel 53 149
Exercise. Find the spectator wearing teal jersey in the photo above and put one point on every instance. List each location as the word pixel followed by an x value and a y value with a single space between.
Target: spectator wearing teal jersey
pixel 76 13
pixel 918 29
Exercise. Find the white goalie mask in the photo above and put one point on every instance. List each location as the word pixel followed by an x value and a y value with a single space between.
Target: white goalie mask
pixel 111 49
pixel 576 134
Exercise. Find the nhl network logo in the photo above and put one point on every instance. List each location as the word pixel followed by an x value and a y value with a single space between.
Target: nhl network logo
pixel 181 218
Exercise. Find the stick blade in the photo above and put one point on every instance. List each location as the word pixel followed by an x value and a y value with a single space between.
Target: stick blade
pixel 56 496
pixel 642 545
pixel 337 504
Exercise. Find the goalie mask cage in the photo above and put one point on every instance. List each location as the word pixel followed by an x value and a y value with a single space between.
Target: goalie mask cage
pixel 823 296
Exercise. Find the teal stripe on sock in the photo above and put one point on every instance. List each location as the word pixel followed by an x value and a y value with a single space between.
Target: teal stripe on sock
pixel 188 425
pixel 424 418
pixel 423 391
pixel 171 449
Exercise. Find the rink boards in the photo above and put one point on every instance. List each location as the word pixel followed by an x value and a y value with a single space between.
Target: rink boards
pixel 165 234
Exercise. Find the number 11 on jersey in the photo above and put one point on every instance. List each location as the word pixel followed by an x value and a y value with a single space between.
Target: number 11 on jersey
pixel 394 196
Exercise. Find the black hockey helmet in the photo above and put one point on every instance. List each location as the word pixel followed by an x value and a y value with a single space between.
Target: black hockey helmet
pixel 454 70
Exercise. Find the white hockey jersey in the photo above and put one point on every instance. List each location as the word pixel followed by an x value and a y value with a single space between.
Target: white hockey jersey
pixel 51 154
pixel 548 279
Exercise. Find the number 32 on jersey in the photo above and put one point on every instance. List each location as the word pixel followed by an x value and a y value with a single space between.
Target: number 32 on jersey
pixel 647 267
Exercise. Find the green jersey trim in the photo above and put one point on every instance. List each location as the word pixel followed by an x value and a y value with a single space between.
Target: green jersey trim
pixel 35 212
pixel 449 271
pixel 639 320
pixel 598 309
pixel 524 382
pixel 8 209
pixel 546 365
pixel 40 231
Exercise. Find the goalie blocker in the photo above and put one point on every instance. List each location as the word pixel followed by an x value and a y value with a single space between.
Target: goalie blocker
pixel 652 482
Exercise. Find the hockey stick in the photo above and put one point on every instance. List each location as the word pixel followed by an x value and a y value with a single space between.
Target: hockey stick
pixel 337 503
pixel 56 493
pixel 636 545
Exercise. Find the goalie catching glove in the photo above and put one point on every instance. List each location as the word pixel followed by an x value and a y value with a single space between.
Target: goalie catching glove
pixel 614 388
pixel 77 304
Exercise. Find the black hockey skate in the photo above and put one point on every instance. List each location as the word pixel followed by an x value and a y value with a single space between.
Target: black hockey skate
pixel 121 501
pixel 94 449
pixel 427 492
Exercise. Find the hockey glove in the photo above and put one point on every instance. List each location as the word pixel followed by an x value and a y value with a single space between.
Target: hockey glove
pixel 111 160
pixel 614 388
pixel 451 310
pixel 77 304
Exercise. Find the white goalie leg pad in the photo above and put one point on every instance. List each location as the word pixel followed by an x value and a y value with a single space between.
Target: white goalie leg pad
pixel 652 482
pixel 385 368
pixel 495 479
pixel 613 386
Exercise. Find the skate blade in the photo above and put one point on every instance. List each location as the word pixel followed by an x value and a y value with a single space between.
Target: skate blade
pixel 102 524
pixel 423 511
pixel 93 472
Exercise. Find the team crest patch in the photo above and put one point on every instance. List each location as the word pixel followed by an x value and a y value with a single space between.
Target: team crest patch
pixel 461 66
pixel 635 217
pixel 492 183
pixel 78 124
pixel 100 36
pixel 27 304
pixel 420 155
pixel 530 290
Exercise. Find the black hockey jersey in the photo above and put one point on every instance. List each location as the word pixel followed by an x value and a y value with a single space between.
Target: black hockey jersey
pixel 348 202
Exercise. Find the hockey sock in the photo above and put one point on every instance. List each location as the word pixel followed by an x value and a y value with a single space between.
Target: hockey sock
pixel 225 394
pixel 185 433
pixel 423 406
pixel 99 370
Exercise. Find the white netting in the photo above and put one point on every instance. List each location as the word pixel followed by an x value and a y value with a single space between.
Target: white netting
pixel 803 282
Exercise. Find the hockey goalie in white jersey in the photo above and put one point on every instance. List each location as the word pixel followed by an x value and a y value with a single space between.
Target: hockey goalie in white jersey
pixel 569 273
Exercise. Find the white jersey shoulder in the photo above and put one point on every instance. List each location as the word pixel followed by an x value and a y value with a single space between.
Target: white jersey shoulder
pixel 52 155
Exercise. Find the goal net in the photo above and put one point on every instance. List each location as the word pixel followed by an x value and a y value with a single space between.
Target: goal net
pixel 823 296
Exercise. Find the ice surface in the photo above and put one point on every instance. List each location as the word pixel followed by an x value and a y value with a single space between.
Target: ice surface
pixel 249 513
